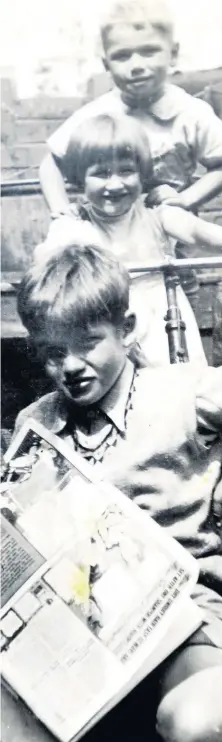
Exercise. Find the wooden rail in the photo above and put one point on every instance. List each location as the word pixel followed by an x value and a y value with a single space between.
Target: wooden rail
pixel 26 187
pixel 15 260
pixel 12 326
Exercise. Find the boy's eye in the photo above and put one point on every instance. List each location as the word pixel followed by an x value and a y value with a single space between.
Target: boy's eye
pixel 90 343
pixel 120 56
pixel 149 52
pixel 55 353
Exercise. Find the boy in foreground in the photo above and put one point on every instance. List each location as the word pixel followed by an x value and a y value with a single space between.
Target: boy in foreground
pixel 158 435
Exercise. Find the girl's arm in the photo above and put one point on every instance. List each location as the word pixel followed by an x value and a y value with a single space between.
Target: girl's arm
pixel 192 230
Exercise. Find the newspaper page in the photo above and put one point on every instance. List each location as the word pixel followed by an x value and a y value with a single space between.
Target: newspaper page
pixel 104 587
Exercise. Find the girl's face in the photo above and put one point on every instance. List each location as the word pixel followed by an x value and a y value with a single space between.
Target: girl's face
pixel 113 186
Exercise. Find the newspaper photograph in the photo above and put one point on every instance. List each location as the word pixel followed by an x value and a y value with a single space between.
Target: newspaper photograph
pixel 92 588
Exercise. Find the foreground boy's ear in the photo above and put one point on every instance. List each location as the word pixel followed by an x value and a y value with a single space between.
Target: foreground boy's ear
pixel 129 327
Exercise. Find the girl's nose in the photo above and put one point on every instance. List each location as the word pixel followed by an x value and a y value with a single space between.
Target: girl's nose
pixel 114 183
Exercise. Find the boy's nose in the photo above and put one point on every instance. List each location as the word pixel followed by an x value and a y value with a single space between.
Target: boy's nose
pixel 137 64
pixel 73 365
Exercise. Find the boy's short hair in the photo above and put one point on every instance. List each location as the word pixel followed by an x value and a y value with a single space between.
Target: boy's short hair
pixel 80 285
pixel 139 13
pixel 102 138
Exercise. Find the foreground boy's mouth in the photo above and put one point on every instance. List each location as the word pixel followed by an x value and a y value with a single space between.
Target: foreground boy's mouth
pixel 78 385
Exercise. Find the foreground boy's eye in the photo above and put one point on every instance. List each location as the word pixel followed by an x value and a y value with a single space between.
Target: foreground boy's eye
pixel 55 353
pixel 90 343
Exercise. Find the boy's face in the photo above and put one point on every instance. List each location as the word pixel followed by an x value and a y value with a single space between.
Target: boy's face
pixel 138 59
pixel 113 187
pixel 84 363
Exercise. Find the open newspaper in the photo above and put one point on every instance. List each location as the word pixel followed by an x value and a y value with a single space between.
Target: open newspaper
pixel 94 593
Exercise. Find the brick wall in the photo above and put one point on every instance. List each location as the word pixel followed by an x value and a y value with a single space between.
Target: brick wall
pixel 26 125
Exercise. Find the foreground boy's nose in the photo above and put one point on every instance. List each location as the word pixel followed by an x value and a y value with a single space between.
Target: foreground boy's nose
pixel 73 365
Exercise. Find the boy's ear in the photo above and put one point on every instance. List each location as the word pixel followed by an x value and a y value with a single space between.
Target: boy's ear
pixel 174 53
pixel 129 327
pixel 105 64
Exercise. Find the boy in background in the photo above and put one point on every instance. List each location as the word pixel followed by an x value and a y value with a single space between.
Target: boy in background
pixel 139 49
pixel 75 307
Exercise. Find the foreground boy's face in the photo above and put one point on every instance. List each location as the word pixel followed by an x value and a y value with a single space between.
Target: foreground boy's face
pixel 85 363
pixel 138 59
pixel 113 187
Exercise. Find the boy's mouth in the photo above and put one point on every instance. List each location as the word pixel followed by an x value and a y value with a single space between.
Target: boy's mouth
pixel 78 385
pixel 138 81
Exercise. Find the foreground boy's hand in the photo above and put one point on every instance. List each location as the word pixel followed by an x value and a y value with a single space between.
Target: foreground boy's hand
pixel 211 571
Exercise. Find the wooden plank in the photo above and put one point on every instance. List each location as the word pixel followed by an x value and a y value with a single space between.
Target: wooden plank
pixel 25 223
pixel 217 327
pixel 12 327
pixel 204 312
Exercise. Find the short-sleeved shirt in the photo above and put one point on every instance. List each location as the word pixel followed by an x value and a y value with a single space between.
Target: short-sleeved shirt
pixel 183 131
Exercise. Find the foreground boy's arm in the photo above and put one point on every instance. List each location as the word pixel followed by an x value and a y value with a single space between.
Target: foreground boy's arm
pixel 192 230
pixel 209 418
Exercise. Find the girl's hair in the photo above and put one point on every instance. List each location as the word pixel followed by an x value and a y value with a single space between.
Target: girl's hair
pixel 155 13
pixel 80 285
pixel 103 138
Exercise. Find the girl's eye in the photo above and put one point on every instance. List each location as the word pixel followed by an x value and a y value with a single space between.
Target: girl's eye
pixel 127 171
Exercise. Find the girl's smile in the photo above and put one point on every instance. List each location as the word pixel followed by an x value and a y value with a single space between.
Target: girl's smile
pixel 113 187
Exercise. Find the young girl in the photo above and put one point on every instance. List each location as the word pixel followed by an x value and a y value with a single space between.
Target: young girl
pixel 110 160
